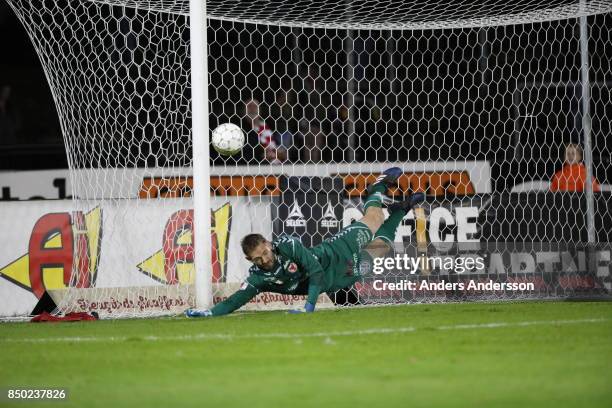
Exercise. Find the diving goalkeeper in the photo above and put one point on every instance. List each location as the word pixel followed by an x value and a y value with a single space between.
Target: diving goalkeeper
pixel 285 266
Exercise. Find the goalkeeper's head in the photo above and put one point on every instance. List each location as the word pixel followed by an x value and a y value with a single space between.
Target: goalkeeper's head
pixel 258 250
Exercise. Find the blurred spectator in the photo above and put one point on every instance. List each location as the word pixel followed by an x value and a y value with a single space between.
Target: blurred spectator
pixel 9 121
pixel 313 142
pixel 288 142
pixel 251 116
pixel 572 177
pixel 278 145
pixel 272 153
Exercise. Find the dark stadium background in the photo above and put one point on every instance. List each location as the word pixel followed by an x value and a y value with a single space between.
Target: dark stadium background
pixel 476 124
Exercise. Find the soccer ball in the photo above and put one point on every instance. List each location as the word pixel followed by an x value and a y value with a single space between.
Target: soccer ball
pixel 227 139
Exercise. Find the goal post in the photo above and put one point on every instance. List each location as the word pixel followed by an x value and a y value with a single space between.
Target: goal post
pixel 478 105
pixel 201 153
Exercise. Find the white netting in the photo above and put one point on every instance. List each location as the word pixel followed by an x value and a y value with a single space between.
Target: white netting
pixel 377 14
pixel 472 99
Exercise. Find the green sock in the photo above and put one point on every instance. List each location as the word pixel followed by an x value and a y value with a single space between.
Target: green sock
pixel 387 231
pixel 376 196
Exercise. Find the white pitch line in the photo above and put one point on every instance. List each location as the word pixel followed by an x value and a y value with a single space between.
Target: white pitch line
pixel 519 324
pixel 214 336
pixel 365 332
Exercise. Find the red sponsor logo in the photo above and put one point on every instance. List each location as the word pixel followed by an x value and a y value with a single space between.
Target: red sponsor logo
pixel 63 251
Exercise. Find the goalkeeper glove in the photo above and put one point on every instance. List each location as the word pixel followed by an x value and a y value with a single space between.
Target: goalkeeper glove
pixel 308 308
pixel 198 313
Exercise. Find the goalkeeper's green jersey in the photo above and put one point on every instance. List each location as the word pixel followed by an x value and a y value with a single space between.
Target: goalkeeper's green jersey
pixel 328 267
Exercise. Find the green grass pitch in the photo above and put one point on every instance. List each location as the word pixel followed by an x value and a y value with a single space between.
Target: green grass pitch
pixel 556 354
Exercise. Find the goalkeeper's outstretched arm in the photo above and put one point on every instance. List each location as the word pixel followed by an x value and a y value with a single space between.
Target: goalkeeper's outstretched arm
pixel 246 292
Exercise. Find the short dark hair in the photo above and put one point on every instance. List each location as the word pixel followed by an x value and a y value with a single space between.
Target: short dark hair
pixel 250 241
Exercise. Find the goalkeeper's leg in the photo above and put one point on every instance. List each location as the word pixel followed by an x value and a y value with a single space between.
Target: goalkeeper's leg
pixel 383 239
pixel 374 217
pixel 380 245
pixel 351 240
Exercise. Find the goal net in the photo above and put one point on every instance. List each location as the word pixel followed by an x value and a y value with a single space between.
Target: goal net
pixel 480 103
